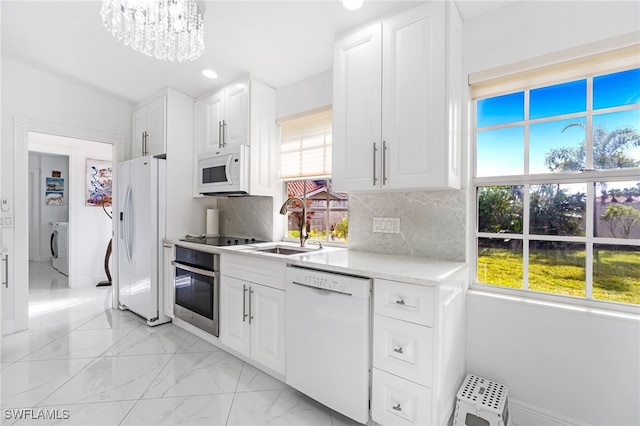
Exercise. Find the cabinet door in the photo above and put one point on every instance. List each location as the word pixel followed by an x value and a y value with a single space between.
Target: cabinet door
pixel 156 127
pixel 8 285
pixel 357 112
pixel 138 128
pixel 413 89
pixel 235 125
pixel 234 319
pixel 214 117
pixel 169 279
pixel 200 127
pixel 267 327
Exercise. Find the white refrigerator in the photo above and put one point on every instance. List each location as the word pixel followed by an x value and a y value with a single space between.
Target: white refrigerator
pixel 141 220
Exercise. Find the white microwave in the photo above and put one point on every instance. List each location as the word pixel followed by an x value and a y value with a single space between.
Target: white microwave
pixel 224 171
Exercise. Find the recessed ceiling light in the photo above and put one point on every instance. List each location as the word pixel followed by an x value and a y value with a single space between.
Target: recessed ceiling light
pixel 352 4
pixel 209 73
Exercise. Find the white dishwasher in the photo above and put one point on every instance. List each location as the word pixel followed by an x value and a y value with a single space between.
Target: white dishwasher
pixel 328 319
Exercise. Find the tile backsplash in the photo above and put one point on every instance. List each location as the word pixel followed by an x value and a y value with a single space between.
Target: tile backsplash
pixel 432 224
pixel 246 217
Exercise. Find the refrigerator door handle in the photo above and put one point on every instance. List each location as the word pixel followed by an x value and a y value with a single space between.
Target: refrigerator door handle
pixel 127 223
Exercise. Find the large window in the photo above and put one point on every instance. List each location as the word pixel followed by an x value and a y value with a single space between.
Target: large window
pixel 557 181
pixel 305 166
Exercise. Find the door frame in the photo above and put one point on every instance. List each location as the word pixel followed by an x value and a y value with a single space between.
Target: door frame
pixel 22 128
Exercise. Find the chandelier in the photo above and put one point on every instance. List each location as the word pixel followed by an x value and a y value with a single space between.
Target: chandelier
pixel 164 29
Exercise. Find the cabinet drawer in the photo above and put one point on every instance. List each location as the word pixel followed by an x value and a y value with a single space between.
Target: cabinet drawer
pixel 403 349
pixel 396 401
pixel 252 269
pixel 408 302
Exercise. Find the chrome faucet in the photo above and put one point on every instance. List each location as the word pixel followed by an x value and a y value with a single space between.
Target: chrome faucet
pixel 303 223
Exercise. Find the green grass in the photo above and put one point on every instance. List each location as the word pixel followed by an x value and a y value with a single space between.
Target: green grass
pixel 616 275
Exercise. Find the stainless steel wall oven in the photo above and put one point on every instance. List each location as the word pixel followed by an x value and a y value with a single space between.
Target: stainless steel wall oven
pixel 197 288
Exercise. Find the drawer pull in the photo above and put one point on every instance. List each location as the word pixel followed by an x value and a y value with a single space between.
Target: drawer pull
pixel 398 350
pixel 400 301
pixel 397 407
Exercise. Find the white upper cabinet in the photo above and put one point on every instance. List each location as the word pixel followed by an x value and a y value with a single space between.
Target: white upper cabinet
pixel 397 102
pixel 222 119
pixel 243 113
pixel 149 135
pixel 357 109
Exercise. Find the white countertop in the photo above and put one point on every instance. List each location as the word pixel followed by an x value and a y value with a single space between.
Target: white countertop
pixel 415 270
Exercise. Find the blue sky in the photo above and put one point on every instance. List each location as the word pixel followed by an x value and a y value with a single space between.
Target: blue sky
pixel 501 152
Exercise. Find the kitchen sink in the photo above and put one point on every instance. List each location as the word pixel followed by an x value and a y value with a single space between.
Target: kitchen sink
pixel 286 251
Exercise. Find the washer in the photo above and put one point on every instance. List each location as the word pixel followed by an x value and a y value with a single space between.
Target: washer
pixel 60 247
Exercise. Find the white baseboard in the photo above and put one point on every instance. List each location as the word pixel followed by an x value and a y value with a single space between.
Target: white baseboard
pixel 523 414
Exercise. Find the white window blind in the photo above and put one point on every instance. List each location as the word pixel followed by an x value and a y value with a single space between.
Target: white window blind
pixel 572 63
pixel 305 146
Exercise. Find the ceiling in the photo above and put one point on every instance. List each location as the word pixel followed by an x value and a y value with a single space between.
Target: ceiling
pixel 278 42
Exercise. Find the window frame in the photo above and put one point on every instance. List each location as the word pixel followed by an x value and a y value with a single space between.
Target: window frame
pixel 327 241
pixel 587 176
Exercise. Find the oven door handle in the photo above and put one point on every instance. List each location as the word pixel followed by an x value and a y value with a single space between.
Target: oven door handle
pixel 194 270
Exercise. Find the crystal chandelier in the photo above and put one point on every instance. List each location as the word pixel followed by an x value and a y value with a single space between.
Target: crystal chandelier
pixel 164 29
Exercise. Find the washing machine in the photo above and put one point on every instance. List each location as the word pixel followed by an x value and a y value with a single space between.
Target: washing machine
pixel 60 246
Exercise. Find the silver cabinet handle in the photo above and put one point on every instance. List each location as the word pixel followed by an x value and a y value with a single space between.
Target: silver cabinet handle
pixel 400 302
pixel 244 302
pixel 219 134
pixel 375 180
pixel 384 162
pixel 398 350
pixel 6 271
pixel 250 310
pixel 397 407
pixel 224 133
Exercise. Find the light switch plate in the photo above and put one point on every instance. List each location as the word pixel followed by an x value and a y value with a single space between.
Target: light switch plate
pixel 386 225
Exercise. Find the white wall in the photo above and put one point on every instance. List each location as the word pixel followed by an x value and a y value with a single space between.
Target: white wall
pixel 40 230
pixel 559 364
pixel 305 95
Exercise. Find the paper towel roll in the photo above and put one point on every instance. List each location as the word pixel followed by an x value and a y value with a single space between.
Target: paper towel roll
pixel 213 226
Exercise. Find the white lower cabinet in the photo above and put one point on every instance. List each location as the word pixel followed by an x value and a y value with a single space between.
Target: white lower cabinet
pixel 418 351
pixel 252 315
pixel 397 401
pixel 403 349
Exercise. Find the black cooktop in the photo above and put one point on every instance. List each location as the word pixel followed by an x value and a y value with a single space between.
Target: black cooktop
pixel 221 241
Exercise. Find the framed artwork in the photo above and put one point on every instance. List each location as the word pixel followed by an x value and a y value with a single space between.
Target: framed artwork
pixel 99 182
pixel 54 192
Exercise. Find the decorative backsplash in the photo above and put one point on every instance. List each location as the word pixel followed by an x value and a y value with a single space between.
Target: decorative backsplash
pixel 432 224
pixel 246 217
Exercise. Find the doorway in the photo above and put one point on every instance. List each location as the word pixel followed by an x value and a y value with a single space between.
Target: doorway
pixel 29 136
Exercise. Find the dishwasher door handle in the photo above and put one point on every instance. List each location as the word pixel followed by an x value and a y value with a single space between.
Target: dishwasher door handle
pixel 320 288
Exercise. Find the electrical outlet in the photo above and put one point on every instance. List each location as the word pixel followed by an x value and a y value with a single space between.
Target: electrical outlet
pixel 386 225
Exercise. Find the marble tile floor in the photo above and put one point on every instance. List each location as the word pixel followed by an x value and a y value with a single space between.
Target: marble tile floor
pixel 84 363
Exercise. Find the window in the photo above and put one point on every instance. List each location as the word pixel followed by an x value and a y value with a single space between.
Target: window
pixel 305 166
pixel 557 181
